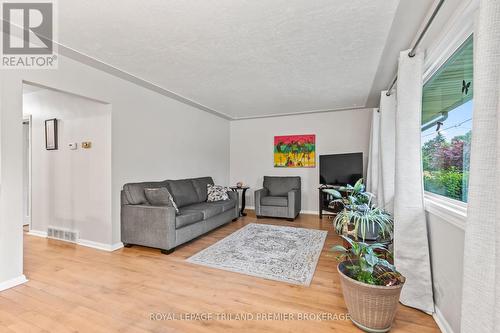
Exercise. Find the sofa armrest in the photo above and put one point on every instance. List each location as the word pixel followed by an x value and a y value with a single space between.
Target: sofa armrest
pixel 148 225
pixel 234 195
pixel 294 203
pixel 258 194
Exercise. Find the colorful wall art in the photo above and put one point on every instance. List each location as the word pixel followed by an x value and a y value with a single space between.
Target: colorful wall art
pixel 295 151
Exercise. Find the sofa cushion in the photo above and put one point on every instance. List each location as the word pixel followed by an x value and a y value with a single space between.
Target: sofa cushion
pixel 280 186
pixel 134 192
pixel 183 192
pixel 225 204
pixel 274 201
pixel 187 217
pixel 208 209
pixel 200 185
pixel 160 197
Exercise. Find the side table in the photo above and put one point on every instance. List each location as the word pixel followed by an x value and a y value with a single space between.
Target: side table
pixel 243 199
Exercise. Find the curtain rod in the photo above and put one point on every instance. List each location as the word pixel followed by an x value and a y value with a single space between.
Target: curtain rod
pixel 413 50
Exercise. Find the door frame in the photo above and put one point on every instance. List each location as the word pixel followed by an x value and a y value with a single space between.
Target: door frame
pixel 27 218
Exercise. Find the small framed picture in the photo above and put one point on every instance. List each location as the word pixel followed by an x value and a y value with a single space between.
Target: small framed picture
pixel 51 134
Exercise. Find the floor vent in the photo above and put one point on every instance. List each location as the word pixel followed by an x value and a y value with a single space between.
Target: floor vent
pixel 62 234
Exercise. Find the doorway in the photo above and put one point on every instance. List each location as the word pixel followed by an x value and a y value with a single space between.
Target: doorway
pixel 66 166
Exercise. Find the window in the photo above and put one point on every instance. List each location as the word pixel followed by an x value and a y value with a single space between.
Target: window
pixel 447 124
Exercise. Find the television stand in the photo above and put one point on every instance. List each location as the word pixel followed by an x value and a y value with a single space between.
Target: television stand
pixel 324 201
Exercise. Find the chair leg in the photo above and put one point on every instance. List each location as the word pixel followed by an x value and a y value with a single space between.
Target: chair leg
pixel 167 251
pixel 290 219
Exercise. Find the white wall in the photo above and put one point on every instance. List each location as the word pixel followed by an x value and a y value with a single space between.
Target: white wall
pixel 71 189
pixel 153 137
pixel 447 247
pixel 11 215
pixel 252 147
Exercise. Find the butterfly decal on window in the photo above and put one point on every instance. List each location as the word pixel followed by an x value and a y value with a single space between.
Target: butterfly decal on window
pixel 465 87
pixel 439 124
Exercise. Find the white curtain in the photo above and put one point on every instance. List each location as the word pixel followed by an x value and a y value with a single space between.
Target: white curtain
pixel 387 153
pixel 395 170
pixel 372 172
pixel 411 245
pixel 481 283
pixel 381 159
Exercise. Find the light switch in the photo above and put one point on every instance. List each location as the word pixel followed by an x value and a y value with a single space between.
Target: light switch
pixel 73 146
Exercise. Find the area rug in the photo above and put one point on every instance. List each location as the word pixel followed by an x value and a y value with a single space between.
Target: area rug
pixel 272 252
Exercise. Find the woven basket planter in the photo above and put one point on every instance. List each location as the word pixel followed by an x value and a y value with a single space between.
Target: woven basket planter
pixel 372 308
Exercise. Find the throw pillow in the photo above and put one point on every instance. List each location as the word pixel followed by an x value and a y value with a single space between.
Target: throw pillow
pixel 217 193
pixel 160 197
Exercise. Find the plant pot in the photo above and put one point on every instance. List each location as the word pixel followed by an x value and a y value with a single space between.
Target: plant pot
pixel 371 233
pixel 371 308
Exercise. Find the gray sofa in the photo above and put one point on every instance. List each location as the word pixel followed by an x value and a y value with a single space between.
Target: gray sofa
pixel 279 197
pixel 160 226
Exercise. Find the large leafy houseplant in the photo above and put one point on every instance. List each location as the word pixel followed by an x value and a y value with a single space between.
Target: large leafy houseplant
pixel 355 195
pixel 370 284
pixel 364 263
pixel 368 222
pixel 365 220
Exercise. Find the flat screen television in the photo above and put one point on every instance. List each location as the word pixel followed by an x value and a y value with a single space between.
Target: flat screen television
pixel 340 169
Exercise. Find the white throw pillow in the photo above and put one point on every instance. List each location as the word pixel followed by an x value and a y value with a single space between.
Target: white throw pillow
pixel 217 193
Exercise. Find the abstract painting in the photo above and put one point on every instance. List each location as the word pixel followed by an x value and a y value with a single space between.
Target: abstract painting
pixel 295 151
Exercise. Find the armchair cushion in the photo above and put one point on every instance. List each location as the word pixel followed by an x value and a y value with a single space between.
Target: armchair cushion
pixel 274 201
pixel 280 186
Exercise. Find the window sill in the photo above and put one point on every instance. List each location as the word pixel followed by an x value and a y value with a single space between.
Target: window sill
pixel 451 211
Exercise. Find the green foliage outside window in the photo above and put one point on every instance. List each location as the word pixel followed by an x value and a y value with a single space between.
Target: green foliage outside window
pixel 446 167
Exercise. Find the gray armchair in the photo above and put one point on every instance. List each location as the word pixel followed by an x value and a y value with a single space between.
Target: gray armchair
pixel 280 197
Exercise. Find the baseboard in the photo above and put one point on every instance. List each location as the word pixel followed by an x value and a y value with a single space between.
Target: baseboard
pixel 100 246
pixel 117 246
pixel 441 321
pixel 307 212
pixel 37 233
pixel 13 282
pixel 84 242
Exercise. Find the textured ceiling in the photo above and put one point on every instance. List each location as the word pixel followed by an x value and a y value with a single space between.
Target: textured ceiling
pixel 241 58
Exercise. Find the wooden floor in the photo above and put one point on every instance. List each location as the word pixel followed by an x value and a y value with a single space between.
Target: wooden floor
pixel 77 289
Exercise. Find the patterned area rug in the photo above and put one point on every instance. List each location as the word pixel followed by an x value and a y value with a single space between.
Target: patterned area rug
pixel 272 252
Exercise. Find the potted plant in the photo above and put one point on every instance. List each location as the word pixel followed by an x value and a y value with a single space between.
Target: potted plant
pixel 359 216
pixel 368 222
pixel 355 195
pixel 370 284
